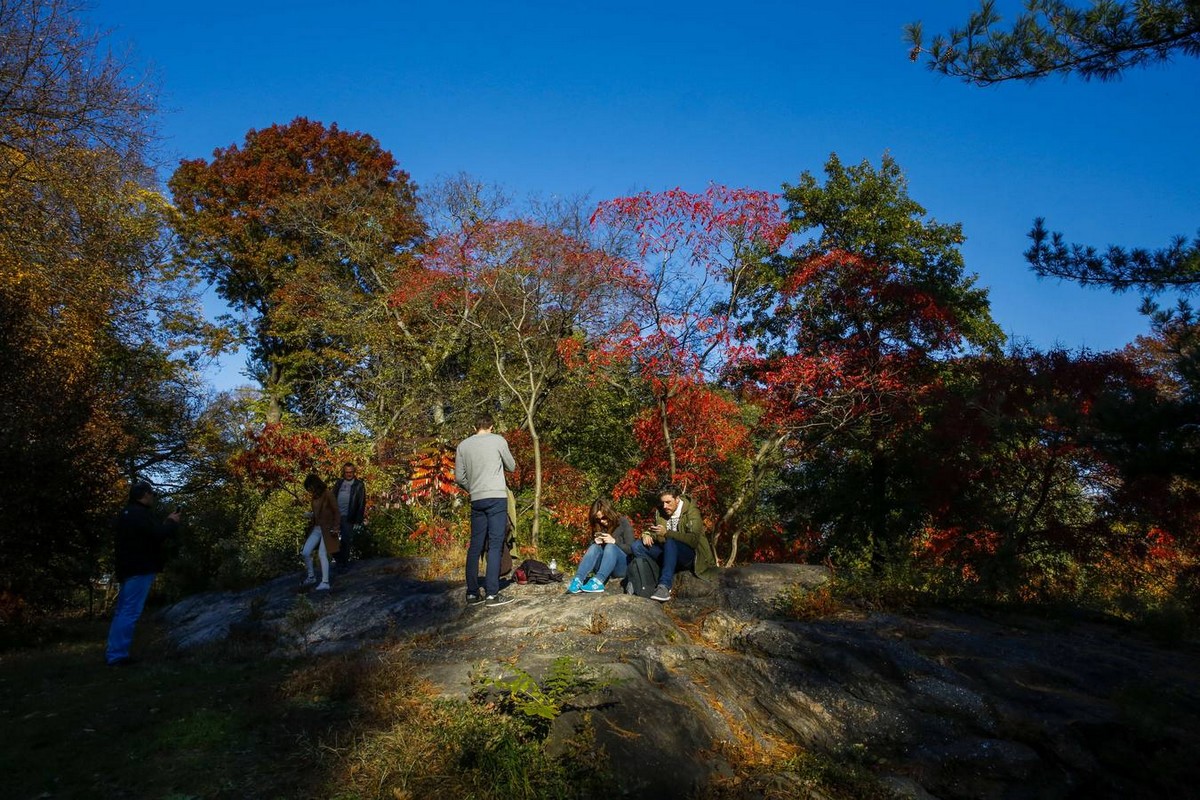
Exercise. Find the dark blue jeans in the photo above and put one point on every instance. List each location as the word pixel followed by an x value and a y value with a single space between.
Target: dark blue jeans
pixel 652 552
pixel 675 555
pixel 488 520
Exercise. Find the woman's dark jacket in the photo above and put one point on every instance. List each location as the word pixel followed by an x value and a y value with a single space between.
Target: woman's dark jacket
pixel 623 533
pixel 140 541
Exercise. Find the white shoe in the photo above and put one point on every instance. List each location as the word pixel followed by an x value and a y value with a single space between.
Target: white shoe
pixel 322 587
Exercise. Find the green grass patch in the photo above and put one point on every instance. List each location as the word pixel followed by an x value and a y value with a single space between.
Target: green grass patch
pixel 167 726
pixel 231 722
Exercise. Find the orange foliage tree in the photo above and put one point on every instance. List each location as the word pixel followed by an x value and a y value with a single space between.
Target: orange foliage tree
pixel 305 228
pixel 93 323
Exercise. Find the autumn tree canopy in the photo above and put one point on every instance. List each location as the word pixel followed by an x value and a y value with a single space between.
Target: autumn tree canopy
pixel 303 228
pixel 865 313
pixel 98 334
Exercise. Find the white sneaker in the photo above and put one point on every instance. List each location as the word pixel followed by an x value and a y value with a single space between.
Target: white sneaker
pixel 322 587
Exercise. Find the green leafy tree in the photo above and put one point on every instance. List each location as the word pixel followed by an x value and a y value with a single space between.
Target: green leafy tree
pixel 864 316
pixel 1101 41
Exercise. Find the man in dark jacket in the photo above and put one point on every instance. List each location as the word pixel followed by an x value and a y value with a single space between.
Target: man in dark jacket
pixel 140 556
pixel 677 536
pixel 351 494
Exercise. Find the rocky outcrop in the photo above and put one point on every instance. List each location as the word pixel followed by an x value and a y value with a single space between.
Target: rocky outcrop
pixel 941 704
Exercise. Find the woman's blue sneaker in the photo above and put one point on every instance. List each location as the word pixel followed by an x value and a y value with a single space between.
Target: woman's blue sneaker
pixel 593 586
pixel 575 586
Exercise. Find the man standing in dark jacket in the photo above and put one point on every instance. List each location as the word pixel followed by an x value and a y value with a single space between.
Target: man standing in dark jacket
pixel 351 494
pixel 140 556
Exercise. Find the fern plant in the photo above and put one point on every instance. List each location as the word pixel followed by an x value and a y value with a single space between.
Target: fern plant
pixel 536 705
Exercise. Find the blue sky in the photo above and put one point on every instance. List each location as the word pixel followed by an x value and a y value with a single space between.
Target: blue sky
pixel 608 98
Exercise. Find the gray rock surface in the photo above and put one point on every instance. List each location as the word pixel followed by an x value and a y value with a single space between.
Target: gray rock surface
pixel 941 704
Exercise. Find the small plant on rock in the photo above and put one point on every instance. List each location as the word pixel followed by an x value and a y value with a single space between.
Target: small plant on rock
pixel 598 624
pixel 797 602
pixel 536 705
pixel 301 615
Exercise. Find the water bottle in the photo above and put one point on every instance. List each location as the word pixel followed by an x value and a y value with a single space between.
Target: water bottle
pixel 553 565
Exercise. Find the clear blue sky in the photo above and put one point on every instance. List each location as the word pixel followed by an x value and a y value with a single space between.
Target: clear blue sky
pixel 606 98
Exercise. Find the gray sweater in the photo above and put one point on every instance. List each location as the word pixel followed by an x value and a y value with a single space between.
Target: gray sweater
pixel 479 465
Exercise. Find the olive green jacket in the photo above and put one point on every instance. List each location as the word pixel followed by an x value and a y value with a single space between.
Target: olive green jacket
pixel 691 533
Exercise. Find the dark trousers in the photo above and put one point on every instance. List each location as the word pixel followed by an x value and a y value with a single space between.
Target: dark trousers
pixel 671 555
pixel 342 556
pixel 488 519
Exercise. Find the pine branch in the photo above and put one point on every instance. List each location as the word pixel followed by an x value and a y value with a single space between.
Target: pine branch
pixel 1052 37
pixel 1176 267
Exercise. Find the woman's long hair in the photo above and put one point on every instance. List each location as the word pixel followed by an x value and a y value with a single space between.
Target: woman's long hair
pixel 604 508
pixel 314 485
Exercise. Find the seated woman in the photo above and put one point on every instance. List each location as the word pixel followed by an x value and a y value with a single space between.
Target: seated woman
pixel 608 555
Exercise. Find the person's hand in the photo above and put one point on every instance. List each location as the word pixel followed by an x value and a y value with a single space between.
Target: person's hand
pixel 174 516
pixel 647 539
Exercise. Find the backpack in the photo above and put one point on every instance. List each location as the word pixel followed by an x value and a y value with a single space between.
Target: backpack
pixel 506 554
pixel 642 577
pixel 532 571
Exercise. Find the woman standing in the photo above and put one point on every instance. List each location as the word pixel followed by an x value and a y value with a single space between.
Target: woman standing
pixel 608 555
pixel 323 526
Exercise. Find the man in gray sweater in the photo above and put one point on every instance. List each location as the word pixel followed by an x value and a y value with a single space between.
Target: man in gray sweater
pixel 479 465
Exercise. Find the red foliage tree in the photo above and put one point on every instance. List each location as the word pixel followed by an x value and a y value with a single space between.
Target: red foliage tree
pixel 279 459
pixel 1037 466
pixel 431 474
pixel 530 293
pixel 709 430
pixel 298 227
pixel 702 257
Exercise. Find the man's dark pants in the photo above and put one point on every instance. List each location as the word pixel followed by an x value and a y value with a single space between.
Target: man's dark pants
pixel 342 556
pixel 488 518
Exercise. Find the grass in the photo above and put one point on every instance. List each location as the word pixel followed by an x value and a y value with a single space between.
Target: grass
pixel 164 727
pixel 232 723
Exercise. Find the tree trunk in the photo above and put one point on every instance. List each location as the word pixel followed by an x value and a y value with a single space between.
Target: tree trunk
pixel 274 406
pixel 666 431
pixel 877 506
pixel 758 467
pixel 537 481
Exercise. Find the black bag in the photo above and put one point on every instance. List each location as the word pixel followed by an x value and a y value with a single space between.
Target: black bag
pixel 642 577
pixel 538 572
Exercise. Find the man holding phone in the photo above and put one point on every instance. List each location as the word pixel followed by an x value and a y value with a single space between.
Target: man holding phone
pixel 677 536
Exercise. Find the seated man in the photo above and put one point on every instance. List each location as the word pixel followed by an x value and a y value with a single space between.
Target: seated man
pixel 678 537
